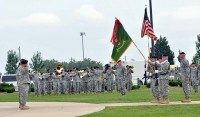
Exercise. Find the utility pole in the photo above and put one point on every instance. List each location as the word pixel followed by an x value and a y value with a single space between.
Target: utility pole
pixel 151 18
pixel 19 53
pixel 83 34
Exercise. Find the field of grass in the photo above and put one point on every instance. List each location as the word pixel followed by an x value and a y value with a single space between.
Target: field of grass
pixel 141 95
pixel 149 111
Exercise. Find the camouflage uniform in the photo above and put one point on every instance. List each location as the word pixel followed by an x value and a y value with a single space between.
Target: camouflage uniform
pixel 164 79
pixel 36 82
pixel 185 73
pixel 129 82
pixel 120 76
pixel 98 75
pixel 23 82
pixel 48 82
pixel 85 84
pixel 109 80
pixel 56 84
pixel 194 78
pixel 76 81
pixel 42 85
pixel 152 75
pixel 63 84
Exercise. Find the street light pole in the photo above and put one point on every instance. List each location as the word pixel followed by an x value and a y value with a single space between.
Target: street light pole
pixel 82 34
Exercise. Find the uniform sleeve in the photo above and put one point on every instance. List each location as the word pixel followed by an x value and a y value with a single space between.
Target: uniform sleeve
pixel 166 68
pixel 187 68
pixel 24 70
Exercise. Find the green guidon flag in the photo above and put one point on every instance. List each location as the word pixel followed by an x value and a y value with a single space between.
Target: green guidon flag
pixel 120 39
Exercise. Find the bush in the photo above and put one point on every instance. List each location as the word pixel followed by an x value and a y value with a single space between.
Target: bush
pixel 174 83
pixel 135 87
pixel 148 85
pixel 4 87
pixel 10 89
pixel 32 87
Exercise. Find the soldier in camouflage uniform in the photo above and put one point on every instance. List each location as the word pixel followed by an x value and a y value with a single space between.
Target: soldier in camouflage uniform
pixel 129 82
pixel 56 83
pixel 194 77
pixel 185 76
pixel 98 79
pixel 109 78
pixel 120 76
pixel 23 82
pixel 36 82
pixel 48 81
pixel 76 81
pixel 152 75
pixel 42 84
pixel 63 82
pixel 85 82
pixel 164 79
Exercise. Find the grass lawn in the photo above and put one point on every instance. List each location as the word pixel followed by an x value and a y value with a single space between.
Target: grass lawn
pixel 149 111
pixel 141 95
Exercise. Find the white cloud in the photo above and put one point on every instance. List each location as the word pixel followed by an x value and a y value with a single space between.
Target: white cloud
pixel 89 12
pixel 184 13
pixel 42 18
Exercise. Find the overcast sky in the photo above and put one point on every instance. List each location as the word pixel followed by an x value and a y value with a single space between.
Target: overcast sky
pixel 53 27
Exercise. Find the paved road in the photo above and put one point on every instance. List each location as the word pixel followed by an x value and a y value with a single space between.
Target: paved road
pixel 63 109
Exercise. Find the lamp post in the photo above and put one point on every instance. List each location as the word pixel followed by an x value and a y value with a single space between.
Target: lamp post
pixel 82 34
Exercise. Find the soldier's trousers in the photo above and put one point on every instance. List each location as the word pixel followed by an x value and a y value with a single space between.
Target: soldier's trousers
pixel 164 88
pixel 186 88
pixel 98 85
pixel 42 88
pixel 195 85
pixel 56 87
pixel 48 87
pixel 121 85
pixel 129 84
pixel 109 84
pixel 85 86
pixel 23 93
pixel 76 87
pixel 63 87
pixel 155 89
pixel 68 85
pixel 92 85
pixel 37 88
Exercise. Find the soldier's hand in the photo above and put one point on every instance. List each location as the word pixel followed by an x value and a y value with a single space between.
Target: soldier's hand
pixel 187 79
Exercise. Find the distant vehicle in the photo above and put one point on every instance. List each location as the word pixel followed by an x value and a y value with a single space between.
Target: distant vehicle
pixel 9 78
pixel 138 70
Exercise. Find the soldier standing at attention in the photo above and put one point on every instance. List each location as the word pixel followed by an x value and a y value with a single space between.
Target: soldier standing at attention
pixel 23 82
pixel 194 77
pixel 109 78
pixel 152 75
pixel 185 76
pixel 42 84
pixel 120 76
pixel 129 82
pixel 48 81
pixel 36 82
pixel 164 79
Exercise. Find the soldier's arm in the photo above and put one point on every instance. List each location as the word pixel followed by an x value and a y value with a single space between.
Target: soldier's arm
pixel 24 70
pixel 166 68
pixel 187 68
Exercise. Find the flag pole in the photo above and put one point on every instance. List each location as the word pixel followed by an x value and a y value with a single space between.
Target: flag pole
pixel 151 18
pixel 139 51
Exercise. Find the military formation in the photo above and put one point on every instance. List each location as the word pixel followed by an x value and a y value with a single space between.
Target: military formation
pixel 159 75
pixel 89 80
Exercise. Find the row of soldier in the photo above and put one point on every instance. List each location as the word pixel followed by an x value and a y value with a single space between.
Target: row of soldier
pixel 159 73
pixel 91 80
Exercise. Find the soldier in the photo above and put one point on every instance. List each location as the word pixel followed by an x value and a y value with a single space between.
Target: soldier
pixel 85 82
pixel 129 82
pixel 42 84
pixel 56 83
pixel 185 76
pixel 36 82
pixel 194 77
pixel 23 82
pixel 76 81
pixel 109 78
pixel 97 75
pixel 152 75
pixel 164 79
pixel 68 81
pixel 48 81
pixel 63 82
pixel 92 79
pixel 120 76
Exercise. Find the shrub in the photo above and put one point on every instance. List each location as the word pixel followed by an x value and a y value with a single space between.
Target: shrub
pixel 174 83
pixel 5 86
pixel 135 87
pixel 32 87
pixel 10 89
pixel 148 85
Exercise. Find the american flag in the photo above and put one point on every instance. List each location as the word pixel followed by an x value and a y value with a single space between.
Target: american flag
pixel 147 28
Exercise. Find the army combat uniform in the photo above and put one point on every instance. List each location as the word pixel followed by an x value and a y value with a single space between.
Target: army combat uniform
pixel 42 85
pixel 120 76
pixel 56 84
pixel 36 82
pixel 109 80
pixel 194 78
pixel 48 82
pixel 129 82
pixel 23 82
pixel 185 73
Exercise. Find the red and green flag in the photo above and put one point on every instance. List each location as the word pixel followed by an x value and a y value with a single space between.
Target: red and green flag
pixel 120 39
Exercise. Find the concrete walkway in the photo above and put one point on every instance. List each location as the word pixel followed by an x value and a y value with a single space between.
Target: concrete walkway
pixel 63 109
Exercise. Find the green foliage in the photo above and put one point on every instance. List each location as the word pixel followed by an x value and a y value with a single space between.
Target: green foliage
pixel 5 87
pixel 162 47
pixel 134 87
pixel 12 60
pixel 37 62
pixel 32 87
pixel 175 83
pixel 148 85
pixel 51 64
pixel 196 57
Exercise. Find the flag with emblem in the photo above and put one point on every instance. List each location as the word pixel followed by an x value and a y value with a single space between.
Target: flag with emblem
pixel 120 39
pixel 147 29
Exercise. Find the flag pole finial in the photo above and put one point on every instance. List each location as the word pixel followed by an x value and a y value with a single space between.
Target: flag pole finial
pixel 116 18
pixel 145 6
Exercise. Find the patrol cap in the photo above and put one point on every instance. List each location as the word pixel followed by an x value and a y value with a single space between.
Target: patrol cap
pixel 160 57
pixel 23 61
pixel 182 53
pixel 193 63
pixel 119 61
pixel 153 57
pixel 165 55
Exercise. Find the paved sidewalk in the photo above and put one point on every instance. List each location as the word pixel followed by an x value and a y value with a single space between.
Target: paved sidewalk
pixel 63 109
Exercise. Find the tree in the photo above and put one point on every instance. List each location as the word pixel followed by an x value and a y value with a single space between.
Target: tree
pixel 37 62
pixel 196 57
pixel 50 64
pixel 162 47
pixel 12 60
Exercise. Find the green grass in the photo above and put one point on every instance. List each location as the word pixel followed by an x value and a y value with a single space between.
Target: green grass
pixel 149 111
pixel 142 95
